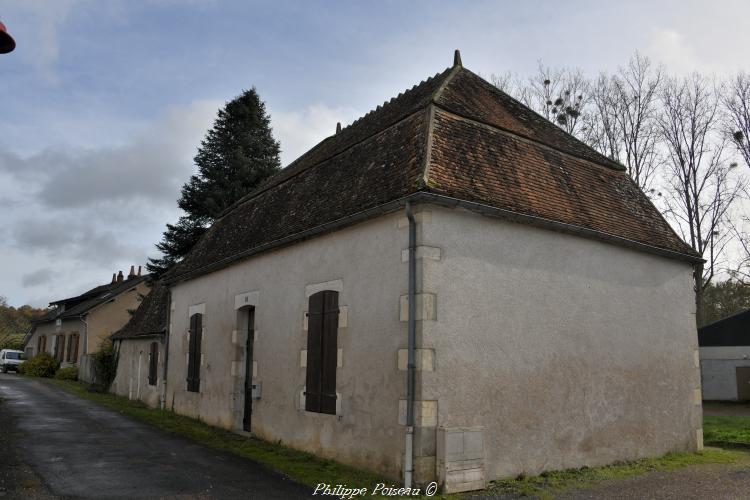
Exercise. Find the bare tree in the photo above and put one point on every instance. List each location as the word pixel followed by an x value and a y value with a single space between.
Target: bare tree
pixel 623 123
pixel 702 188
pixel 736 101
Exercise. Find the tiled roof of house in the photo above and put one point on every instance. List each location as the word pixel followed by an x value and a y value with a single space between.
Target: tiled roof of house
pixel 151 316
pixel 453 136
pixel 81 304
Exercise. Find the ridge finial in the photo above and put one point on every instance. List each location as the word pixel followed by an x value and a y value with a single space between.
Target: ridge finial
pixel 457 58
pixel 338 127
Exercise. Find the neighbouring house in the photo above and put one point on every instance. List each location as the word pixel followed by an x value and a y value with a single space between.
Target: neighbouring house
pixel 449 288
pixel 140 349
pixel 725 358
pixel 76 327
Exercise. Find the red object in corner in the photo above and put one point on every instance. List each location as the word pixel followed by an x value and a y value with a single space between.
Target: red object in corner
pixel 7 44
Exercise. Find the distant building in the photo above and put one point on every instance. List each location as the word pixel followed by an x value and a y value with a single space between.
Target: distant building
pixel 725 358
pixel 140 345
pixel 77 326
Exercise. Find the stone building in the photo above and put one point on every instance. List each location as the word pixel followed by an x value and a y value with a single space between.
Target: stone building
pixel 76 327
pixel 552 318
pixel 725 358
pixel 140 348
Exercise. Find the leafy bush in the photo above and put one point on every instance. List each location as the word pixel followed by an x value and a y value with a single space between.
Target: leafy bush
pixel 41 365
pixel 70 373
pixel 105 365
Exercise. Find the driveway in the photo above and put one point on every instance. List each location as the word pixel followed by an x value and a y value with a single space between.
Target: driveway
pixel 76 448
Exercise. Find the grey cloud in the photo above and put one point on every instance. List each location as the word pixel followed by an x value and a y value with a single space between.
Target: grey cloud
pixel 38 277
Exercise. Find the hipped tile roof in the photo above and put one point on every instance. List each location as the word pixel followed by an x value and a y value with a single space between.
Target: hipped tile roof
pixel 151 316
pixel 456 136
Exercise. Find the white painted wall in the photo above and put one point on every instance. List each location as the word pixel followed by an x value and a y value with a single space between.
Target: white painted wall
pixel 719 371
pixel 569 352
pixel 364 264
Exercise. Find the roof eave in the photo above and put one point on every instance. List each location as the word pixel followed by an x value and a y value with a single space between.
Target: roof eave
pixel 428 197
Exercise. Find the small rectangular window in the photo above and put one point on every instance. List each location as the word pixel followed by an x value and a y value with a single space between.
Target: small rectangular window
pixel 60 347
pixel 194 353
pixel 72 348
pixel 153 363
pixel 322 350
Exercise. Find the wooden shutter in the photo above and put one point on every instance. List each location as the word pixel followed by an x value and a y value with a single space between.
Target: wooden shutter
pixel 194 355
pixel 60 348
pixel 75 347
pixel 40 344
pixel 70 347
pixel 322 349
pixel 153 362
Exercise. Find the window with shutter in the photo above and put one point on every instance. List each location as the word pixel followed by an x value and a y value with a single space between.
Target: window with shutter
pixel 194 352
pixel 153 362
pixel 322 349
pixel 72 348
pixel 60 348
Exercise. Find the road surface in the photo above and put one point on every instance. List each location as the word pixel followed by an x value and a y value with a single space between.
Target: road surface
pixel 65 446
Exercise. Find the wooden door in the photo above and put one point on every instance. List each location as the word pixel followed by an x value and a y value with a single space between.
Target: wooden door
pixel 249 370
pixel 743 383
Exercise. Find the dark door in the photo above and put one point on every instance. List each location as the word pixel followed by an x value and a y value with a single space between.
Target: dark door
pixel 743 383
pixel 249 369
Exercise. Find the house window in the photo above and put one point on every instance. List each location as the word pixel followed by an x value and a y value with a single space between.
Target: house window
pixel 72 348
pixel 41 344
pixel 322 332
pixel 194 352
pixel 153 362
pixel 59 347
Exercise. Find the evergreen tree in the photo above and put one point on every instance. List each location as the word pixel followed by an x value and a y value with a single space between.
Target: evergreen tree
pixel 236 155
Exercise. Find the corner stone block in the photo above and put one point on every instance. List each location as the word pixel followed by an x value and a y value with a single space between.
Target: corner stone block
pixel 426 307
pixel 422 252
pixel 425 413
pixel 699 439
pixel 424 359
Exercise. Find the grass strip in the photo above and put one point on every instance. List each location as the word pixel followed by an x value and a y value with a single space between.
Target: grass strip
pixel 299 466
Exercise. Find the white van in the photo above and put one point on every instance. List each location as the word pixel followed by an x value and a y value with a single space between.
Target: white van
pixel 10 359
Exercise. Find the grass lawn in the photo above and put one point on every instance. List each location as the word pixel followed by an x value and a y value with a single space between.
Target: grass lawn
pixel 727 439
pixel 726 432
pixel 302 467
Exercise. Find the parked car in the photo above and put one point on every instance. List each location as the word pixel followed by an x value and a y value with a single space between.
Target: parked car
pixel 10 359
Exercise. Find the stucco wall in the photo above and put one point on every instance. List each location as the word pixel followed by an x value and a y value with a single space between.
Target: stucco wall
pixel 567 351
pixel 107 318
pixel 51 330
pixel 364 263
pixel 131 380
pixel 718 371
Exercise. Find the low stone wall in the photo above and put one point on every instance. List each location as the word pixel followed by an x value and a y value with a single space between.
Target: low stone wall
pixel 86 369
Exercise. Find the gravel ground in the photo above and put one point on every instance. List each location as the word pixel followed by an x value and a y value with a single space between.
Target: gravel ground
pixel 708 481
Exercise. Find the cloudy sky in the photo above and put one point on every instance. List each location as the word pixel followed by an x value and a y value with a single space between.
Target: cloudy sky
pixel 104 102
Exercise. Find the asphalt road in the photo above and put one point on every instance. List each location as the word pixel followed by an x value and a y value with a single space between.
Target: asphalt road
pixel 65 446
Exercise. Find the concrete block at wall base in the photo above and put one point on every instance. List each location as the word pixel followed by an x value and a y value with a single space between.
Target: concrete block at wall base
pixel 424 359
pixel 464 480
pixel 425 413
pixel 425 309
pixel 460 459
pixel 699 439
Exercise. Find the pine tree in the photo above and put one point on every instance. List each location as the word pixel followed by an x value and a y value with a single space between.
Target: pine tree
pixel 236 155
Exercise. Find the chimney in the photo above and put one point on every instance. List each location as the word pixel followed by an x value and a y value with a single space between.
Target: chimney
pixel 114 277
pixel 131 274
pixel 139 270
pixel 120 277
